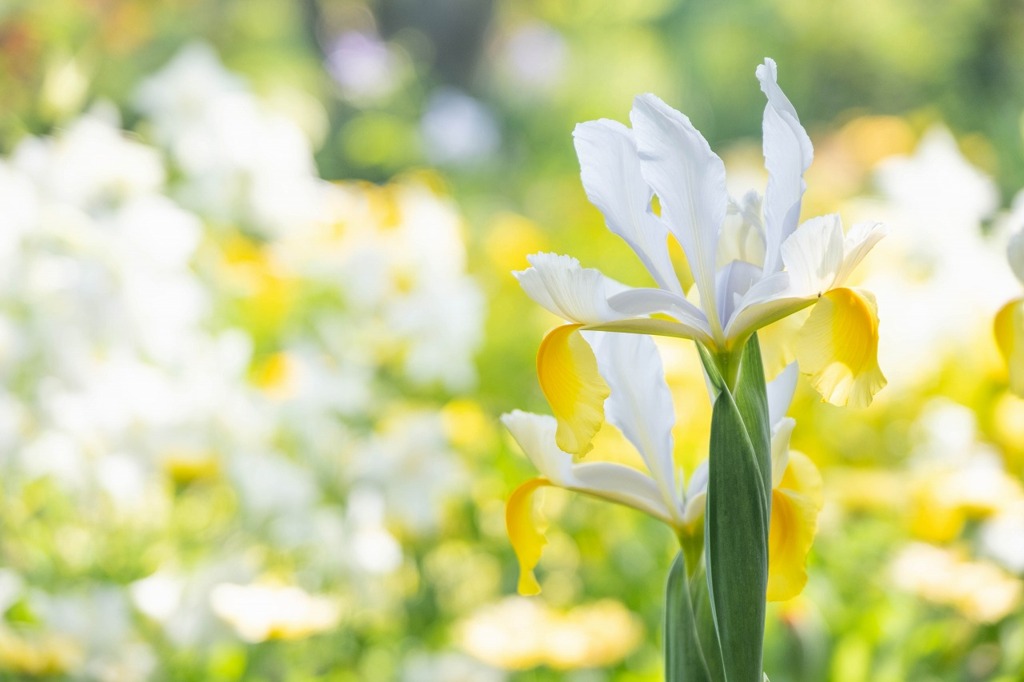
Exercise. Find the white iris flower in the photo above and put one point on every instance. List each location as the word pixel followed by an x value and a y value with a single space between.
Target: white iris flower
pixel 640 406
pixel 751 263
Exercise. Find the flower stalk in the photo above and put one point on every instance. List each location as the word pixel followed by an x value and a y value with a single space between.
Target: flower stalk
pixel 736 524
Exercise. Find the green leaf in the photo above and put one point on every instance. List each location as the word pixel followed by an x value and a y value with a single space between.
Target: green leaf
pixel 736 531
pixel 752 400
pixel 711 367
pixel 684 660
pixel 706 625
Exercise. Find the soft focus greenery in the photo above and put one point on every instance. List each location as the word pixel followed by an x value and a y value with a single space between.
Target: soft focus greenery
pixel 248 419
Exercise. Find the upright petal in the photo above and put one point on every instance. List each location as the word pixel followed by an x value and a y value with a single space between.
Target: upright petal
pixel 781 433
pixel 696 494
pixel 563 287
pixel 859 241
pixel 732 282
pixel 640 404
pixel 813 255
pixel 569 378
pixel 527 539
pixel 610 169
pixel 787 155
pixel 780 393
pixel 689 179
pixel 742 234
pixel 838 347
pixel 1009 329
pixel 796 501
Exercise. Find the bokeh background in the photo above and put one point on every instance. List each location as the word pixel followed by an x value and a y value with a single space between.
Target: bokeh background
pixel 257 323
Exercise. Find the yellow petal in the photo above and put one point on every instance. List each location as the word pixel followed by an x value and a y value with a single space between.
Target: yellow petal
pixel 527 539
pixel 575 390
pixel 838 347
pixel 796 502
pixel 1009 329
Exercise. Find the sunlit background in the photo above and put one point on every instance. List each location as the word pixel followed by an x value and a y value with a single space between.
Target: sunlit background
pixel 257 323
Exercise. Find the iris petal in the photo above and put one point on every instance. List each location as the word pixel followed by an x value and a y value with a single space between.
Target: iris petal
pixel 838 347
pixel 610 170
pixel 527 539
pixel 787 155
pixel 796 502
pixel 1009 329
pixel 569 378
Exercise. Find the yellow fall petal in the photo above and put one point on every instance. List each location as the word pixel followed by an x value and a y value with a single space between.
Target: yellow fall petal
pixel 1009 329
pixel 568 375
pixel 527 539
pixel 838 347
pixel 796 502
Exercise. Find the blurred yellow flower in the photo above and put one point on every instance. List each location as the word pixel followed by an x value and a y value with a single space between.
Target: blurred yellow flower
pixel 271 610
pixel 517 634
pixel 981 591
pixel 38 655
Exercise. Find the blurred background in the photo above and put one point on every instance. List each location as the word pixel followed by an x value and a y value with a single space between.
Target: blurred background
pixel 257 322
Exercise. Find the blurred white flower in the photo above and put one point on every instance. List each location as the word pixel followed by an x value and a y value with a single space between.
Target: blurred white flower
pixel 98 620
pixel 243 162
pixel 179 95
pixel 410 461
pixel 92 165
pixel 458 129
pixel 272 485
pixel 374 549
pixel 11 587
pixel 534 58
pixel 937 202
pixel 1002 537
pixel 365 67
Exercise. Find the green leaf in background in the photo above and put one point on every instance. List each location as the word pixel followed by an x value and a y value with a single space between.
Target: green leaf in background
pixel 684 660
pixel 736 524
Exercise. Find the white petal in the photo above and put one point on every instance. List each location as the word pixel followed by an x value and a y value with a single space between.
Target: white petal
pixel 742 234
pixel 1015 252
pixel 768 300
pixel 861 238
pixel 610 169
pixel 732 284
pixel 696 493
pixel 621 484
pixel 535 434
pixel 780 393
pixel 780 448
pixel 640 404
pixel 689 179
pixel 644 301
pixel 787 155
pixel 814 256
pixel 573 293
